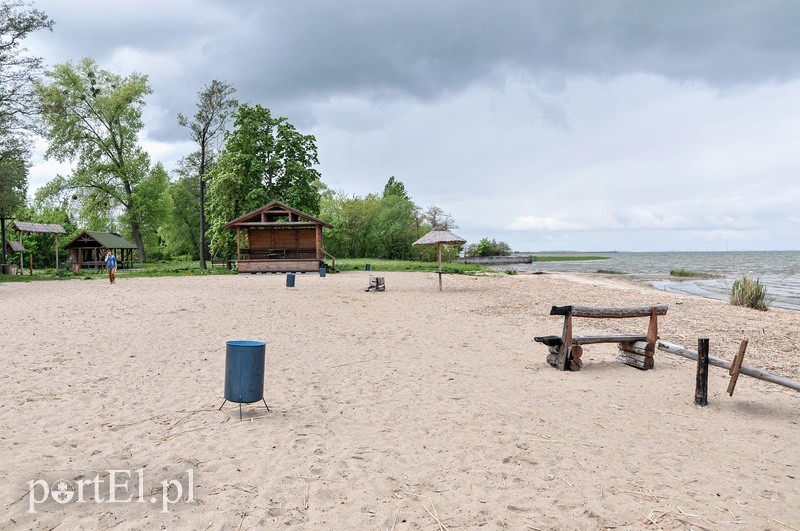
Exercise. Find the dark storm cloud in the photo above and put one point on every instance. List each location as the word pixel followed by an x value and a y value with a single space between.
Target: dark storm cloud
pixel 283 53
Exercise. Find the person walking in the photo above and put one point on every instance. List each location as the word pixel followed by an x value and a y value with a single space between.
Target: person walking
pixel 111 266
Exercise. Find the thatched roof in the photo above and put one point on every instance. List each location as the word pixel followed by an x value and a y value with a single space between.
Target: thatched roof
pixel 439 236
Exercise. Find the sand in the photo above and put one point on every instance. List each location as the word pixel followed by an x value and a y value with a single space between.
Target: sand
pixel 390 410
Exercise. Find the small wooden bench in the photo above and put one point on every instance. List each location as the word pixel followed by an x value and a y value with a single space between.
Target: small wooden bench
pixel 635 349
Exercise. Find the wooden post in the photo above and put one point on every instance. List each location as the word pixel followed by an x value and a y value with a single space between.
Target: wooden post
pixel 439 259
pixel 701 383
pixel 238 243
pixel 21 259
pixel 736 366
pixel 319 241
pixel 56 254
pixel 30 260
pixel 566 344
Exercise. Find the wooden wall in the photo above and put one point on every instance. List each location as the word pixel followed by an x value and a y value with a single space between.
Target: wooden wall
pixel 269 239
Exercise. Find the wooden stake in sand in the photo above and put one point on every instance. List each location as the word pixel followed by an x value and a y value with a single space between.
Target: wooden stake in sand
pixel 701 384
pixel 736 367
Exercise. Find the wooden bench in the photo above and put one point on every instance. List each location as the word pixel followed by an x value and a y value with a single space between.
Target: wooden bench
pixel 635 349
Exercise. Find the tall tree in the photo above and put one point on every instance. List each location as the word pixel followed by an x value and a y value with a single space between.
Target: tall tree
pixel 181 231
pixel 92 117
pixel 13 186
pixel 18 70
pixel 264 159
pixel 215 105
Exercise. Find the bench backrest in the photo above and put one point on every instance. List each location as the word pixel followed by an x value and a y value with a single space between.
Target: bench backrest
pixel 608 313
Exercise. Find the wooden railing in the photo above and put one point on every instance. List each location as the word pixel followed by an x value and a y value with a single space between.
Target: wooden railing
pixel 326 254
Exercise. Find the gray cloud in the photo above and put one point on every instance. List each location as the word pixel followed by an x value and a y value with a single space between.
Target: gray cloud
pixel 503 107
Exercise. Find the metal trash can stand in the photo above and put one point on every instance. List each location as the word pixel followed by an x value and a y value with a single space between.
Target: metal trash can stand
pixel 244 372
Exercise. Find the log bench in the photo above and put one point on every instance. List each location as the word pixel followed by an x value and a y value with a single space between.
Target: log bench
pixel 634 349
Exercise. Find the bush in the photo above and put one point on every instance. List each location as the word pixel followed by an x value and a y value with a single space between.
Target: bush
pixel 749 293
pixel 511 271
pixel 487 247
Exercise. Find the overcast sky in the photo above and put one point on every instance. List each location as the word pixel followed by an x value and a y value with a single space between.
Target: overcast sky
pixel 596 125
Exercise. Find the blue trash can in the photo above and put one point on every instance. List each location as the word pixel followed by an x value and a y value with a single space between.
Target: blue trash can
pixel 367 267
pixel 244 372
pixel 290 280
pixel 322 272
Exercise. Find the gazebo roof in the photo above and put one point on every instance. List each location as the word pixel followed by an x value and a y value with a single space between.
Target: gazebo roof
pixel 439 236
pixel 109 240
pixel 39 228
pixel 260 217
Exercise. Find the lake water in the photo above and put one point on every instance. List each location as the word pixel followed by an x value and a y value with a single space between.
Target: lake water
pixel 778 270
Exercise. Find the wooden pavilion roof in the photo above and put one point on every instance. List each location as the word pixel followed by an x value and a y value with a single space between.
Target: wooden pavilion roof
pixel 107 240
pixel 269 214
pixel 39 228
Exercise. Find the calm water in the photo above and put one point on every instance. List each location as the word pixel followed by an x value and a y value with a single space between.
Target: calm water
pixel 779 270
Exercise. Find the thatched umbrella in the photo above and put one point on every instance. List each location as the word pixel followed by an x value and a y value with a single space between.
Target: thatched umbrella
pixel 439 236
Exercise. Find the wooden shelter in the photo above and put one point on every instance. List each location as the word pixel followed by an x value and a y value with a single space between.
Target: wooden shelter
pixel 277 238
pixel 39 229
pixel 439 236
pixel 16 247
pixel 87 250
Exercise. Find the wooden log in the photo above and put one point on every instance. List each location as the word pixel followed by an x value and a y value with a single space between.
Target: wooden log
pixel 634 360
pixel 618 338
pixel 552 359
pixel 701 382
pixel 608 313
pixel 718 362
pixel 553 350
pixel 566 344
pixel 638 347
pixel 576 352
pixel 736 366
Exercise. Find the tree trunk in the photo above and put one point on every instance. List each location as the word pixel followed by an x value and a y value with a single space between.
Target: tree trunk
pixel 202 172
pixel 3 245
pixel 137 237
pixel 203 254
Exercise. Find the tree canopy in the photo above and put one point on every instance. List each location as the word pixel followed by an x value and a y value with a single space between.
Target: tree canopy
pixel 92 117
pixel 264 159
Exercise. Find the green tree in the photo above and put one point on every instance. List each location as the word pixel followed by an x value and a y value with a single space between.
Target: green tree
pixel 13 187
pixel 215 104
pixel 395 188
pixel 264 159
pixel 19 71
pixel 181 230
pixel 92 117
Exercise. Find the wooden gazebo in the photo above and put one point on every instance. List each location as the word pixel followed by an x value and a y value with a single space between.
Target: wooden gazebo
pixel 24 227
pixel 277 238
pixel 87 250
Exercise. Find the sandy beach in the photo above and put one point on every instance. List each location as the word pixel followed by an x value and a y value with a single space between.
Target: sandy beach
pixel 409 409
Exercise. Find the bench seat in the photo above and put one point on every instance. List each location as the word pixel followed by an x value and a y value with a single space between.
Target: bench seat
pixel 555 341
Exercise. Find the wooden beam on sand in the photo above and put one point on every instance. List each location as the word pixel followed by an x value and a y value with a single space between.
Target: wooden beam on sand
pixel 718 362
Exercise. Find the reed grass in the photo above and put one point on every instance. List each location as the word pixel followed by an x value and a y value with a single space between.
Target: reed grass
pixel 750 293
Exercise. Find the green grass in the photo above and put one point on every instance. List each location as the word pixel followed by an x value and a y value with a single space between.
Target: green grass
pixel 689 273
pixel 749 293
pixel 511 271
pixel 159 269
pixel 358 264
pixel 564 258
